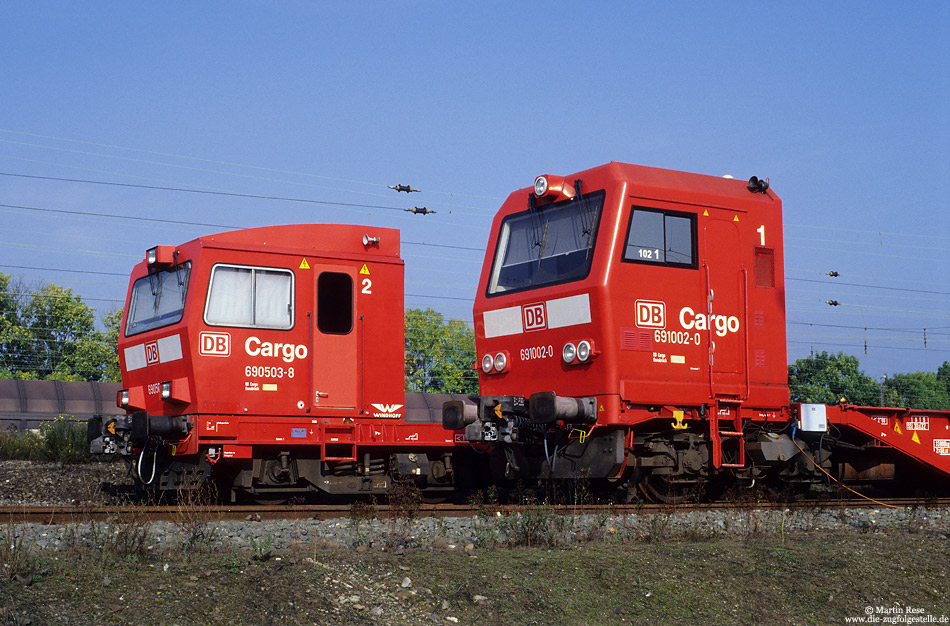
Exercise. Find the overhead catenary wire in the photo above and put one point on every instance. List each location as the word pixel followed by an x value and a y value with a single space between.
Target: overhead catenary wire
pixel 190 168
pixel 836 284
pixel 205 224
pixel 211 161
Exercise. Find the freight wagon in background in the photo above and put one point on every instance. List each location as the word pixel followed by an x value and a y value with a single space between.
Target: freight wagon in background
pixel 27 404
pixel 630 326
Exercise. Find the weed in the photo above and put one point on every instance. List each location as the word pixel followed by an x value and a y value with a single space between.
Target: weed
pixel 197 531
pixel 234 562
pixel 536 526
pixel 405 500
pixel 658 528
pixel 16 558
pixel 696 533
pixel 262 550
pixel 754 526
pixel 597 529
pixel 123 536
pixel 485 534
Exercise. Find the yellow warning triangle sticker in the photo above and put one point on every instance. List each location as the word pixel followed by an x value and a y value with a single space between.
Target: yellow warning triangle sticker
pixel 364 270
pixel 897 427
pixel 735 219
pixel 304 265
pixel 706 213
pixel 915 438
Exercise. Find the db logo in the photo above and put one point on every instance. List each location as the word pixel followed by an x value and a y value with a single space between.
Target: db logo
pixel 214 344
pixel 151 353
pixel 651 314
pixel 534 317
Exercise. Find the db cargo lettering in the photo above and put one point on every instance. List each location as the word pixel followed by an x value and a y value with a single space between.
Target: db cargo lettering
pixel 722 323
pixel 286 351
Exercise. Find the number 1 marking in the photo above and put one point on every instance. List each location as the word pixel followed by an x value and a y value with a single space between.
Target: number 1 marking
pixel 761 231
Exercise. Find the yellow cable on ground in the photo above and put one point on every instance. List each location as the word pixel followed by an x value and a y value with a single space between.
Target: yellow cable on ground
pixel 890 506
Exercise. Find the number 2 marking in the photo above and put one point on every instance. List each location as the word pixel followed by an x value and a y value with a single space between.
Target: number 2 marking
pixel 761 231
pixel 367 286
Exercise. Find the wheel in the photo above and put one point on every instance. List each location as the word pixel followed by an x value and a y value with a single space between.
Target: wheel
pixel 660 489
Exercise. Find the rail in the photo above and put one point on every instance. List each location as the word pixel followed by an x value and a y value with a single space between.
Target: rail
pixel 214 513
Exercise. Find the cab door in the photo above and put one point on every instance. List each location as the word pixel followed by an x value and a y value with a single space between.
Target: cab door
pixel 336 381
pixel 724 299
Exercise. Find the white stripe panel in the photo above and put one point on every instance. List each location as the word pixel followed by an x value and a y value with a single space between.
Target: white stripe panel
pixel 569 311
pixel 169 348
pixel 502 322
pixel 135 357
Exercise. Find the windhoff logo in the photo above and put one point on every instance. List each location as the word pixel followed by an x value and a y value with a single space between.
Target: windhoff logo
pixel 389 411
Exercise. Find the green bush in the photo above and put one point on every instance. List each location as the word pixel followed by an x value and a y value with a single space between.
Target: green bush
pixel 23 446
pixel 64 441
pixel 60 441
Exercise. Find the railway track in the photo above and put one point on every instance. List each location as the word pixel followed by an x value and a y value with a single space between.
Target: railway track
pixel 215 513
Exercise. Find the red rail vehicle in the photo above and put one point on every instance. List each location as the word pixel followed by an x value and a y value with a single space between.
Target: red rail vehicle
pixel 630 326
pixel 271 359
pixel 630 323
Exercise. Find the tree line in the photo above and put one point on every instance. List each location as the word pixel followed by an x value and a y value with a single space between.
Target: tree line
pixel 828 378
pixel 47 332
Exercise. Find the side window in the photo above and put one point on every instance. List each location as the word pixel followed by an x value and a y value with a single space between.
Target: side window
pixel 334 303
pixel 661 238
pixel 250 297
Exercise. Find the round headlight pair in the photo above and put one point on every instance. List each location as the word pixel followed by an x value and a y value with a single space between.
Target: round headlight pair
pixel 497 363
pixel 580 352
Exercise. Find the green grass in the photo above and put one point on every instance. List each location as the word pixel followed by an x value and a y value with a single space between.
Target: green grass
pixel 807 579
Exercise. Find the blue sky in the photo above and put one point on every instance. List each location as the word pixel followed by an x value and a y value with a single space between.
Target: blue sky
pixel 843 106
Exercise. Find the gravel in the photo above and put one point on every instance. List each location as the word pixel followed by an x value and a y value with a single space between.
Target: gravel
pixel 368 570
pixel 30 484
pixel 25 483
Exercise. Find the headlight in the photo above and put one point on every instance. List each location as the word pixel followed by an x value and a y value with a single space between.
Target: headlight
pixel 569 352
pixel 151 256
pixel 487 363
pixel 124 397
pixel 501 362
pixel 540 186
pixel 166 391
pixel 583 351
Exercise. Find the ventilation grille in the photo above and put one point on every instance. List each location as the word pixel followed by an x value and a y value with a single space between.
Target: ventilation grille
pixel 764 267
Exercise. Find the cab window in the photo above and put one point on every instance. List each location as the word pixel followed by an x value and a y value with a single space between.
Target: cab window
pixel 546 245
pixel 158 299
pixel 658 237
pixel 250 297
